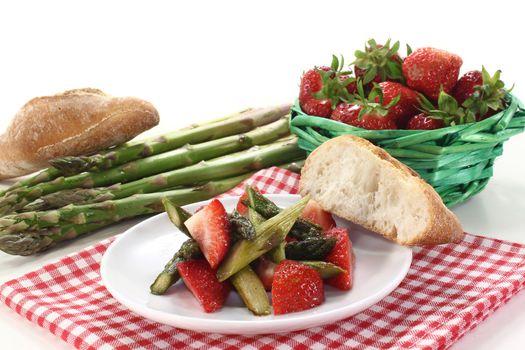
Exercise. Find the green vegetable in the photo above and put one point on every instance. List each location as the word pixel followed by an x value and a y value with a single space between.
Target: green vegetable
pixel 302 229
pixel 251 291
pixel 325 269
pixel 177 215
pixel 169 276
pixel 310 249
pixel 241 227
pixel 268 235
pixel 33 232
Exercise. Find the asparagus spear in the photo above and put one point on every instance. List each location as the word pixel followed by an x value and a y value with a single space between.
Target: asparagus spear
pixel 310 249
pixel 177 215
pixel 302 229
pixel 30 233
pixel 140 149
pixel 190 154
pixel 251 291
pixel 169 276
pixel 325 269
pixel 268 235
pixel 242 228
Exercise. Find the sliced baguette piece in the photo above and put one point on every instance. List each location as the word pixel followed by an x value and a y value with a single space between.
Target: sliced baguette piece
pixel 362 183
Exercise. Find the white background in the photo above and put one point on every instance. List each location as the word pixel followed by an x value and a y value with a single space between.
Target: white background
pixel 197 60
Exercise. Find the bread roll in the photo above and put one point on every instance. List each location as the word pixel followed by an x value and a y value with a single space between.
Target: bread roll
pixel 74 122
pixel 362 183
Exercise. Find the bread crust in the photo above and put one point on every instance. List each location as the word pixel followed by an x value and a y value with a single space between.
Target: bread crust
pixel 443 226
pixel 73 122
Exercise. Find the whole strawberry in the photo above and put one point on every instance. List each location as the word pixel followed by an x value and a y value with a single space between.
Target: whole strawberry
pixel 406 107
pixel 351 114
pixel 347 113
pixel 296 287
pixel 448 112
pixel 423 122
pixel 429 70
pixel 365 112
pixel 465 86
pixel 378 62
pixel 486 98
pixel 322 88
pixel 311 83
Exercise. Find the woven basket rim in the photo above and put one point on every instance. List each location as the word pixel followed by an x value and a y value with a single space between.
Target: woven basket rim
pixel 511 100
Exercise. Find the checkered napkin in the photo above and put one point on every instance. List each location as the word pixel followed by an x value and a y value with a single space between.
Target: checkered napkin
pixel 447 292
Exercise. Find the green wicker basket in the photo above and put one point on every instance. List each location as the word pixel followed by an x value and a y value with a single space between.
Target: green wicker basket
pixel 457 160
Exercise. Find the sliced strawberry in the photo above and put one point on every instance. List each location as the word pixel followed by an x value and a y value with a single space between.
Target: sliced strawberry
pixel 341 255
pixel 202 281
pixel 296 287
pixel 314 213
pixel 265 270
pixel 241 208
pixel 211 229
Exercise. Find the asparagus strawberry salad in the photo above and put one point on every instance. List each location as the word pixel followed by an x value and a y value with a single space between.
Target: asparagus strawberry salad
pixel 386 91
pixel 257 250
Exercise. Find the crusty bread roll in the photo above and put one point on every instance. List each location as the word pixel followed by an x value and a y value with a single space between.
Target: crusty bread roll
pixel 74 122
pixel 362 183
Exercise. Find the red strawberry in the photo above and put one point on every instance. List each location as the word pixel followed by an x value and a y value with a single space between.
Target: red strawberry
pixel 483 96
pixel 202 281
pixel 296 287
pixel 210 227
pixel 312 82
pixel 265 270
pixel 465 86
pixel 428 69
pixel 352 86
pixel 381 62
pixel 349 114
pixel 341 255
pixel 314 213
pixel 422 122
pixel 406 107
pixel 377 122
pixel 241 208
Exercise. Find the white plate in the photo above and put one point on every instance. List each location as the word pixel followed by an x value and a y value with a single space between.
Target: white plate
pixel 133 261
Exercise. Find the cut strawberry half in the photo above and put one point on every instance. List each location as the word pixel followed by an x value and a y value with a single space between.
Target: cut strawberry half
pixel 202 281
pixel 314 213
pixel 241 208
pixel 296 287
pixel 266 270
pixel 210 227
pixel 341 255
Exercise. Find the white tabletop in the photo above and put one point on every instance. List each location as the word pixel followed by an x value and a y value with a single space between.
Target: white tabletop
pixel 201 60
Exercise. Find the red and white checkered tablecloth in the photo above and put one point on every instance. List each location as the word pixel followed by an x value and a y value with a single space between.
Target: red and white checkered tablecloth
pixel 447 292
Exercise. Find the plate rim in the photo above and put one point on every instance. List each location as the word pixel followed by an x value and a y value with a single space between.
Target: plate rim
pixel 300 320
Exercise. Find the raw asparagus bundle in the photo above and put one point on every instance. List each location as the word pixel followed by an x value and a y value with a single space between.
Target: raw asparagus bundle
pixel 214 129
pixel 50 195
pixel 33 232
